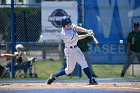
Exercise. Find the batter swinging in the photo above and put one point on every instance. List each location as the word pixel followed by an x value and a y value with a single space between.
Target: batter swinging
pixel 72 52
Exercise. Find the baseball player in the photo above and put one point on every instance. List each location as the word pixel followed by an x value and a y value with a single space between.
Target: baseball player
pixel 22 60
pixel 133 39
pixel 72 52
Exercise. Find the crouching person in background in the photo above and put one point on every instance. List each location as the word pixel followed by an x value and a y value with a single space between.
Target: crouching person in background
pixel 22 61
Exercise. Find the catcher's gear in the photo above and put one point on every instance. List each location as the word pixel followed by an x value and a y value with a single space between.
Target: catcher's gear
pixel 51 79
pixel 2 70
pixel 93 82
pixel 65 21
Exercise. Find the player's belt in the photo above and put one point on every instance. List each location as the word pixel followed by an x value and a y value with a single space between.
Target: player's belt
pixel 72 46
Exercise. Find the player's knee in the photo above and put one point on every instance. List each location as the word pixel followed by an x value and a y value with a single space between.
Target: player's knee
pixel 84 66
pixel 68 71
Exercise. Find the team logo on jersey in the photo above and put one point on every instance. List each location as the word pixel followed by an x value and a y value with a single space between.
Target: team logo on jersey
pixel 56 16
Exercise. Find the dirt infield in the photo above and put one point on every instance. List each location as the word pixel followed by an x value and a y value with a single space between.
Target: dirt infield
pixel 122 86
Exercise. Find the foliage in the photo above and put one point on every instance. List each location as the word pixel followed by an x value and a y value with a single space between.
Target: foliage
pixel 27 23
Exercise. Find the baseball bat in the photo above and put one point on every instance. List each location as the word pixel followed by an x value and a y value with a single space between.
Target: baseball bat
pixel 95 40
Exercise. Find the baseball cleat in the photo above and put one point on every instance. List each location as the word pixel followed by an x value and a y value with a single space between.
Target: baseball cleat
pixel 92 82
pixel 122 74
pixel 93 75
pixel 51 79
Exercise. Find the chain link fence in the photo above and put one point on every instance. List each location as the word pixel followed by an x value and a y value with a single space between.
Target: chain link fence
pixel 27 22
pixel 44 54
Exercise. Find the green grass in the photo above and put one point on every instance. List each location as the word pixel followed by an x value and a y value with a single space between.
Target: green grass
pixel 108 70
pixel 45 68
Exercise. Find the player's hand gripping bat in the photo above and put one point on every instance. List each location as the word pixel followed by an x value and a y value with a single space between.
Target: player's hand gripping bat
pixel 94 38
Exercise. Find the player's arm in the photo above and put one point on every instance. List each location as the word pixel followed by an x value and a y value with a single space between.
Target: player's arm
pixel 7 55
pixel 84 36
pixel 81 29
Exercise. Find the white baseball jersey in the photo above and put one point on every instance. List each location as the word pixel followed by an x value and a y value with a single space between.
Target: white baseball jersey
pixel 72 52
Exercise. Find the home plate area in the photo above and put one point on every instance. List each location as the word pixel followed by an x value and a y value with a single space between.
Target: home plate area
pixel 119 86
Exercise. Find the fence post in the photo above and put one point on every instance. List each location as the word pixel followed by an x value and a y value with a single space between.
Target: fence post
pixel 79 2
pixel 12 37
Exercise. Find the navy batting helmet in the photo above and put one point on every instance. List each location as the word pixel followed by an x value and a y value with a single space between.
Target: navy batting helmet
pixel 65 21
